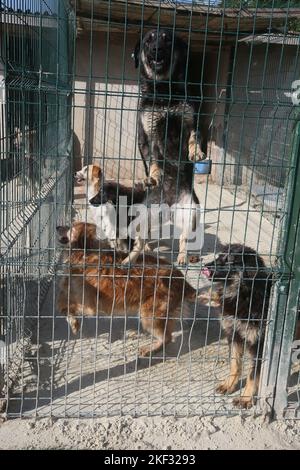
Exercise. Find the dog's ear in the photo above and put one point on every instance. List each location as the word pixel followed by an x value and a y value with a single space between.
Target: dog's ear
pixel 96 200
pixel 96 172
pixel 136 54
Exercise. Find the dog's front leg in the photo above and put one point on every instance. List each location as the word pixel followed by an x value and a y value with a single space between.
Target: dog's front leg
pixel 249 395
pixel 144 147
pixel 155 175
pixel 229 384
pixel 149 148
pixel 195 152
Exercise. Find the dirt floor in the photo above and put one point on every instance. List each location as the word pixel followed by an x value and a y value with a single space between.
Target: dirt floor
pixel 99 373
pixel 161 433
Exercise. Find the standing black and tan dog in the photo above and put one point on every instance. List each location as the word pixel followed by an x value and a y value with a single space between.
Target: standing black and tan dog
pixel 167 121
pixel 241 287
pixel 168 136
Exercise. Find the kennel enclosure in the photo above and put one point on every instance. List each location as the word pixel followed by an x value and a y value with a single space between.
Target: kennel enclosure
pixel 70 97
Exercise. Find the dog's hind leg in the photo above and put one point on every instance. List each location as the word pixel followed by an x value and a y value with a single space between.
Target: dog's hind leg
pixel 230 383
pixel 156 322
pixel 147 247
pixel 139 243
pixel 196 235
pixel 188 216
pixel 160 330
pixel 182 255
pixel 136 251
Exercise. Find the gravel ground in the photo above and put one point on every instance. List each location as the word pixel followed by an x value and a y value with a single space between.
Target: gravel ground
pixel 151 433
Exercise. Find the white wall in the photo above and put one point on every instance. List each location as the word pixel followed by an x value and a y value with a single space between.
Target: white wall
pixel 105 113
pixel 111 133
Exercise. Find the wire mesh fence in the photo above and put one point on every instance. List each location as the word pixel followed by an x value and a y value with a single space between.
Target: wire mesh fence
pixel 35 164
pixel 136 97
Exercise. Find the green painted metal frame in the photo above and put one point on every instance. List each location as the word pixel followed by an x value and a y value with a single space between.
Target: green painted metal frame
pixel 284 311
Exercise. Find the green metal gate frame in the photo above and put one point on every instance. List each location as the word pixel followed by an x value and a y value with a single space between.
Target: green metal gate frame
pixel 284 311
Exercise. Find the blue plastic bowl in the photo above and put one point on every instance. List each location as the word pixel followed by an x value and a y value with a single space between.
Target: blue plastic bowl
pixel 202 168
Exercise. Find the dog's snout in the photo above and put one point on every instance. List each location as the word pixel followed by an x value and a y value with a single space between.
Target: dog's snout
pixel 96 200
pixel 78 177
pixel 206 272
pixel 158 50
pixel 100 199
pixel 157 46
pixel 61 232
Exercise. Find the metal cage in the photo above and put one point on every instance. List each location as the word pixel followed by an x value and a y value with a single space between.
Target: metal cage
pixel 70 97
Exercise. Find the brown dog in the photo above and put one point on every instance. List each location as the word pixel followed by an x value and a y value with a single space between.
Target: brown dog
pixel 97 282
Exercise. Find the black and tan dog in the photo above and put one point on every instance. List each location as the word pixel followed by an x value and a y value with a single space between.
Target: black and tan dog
pixel 168 136
pixel 241 287
pixel 96 282
pixel 167 123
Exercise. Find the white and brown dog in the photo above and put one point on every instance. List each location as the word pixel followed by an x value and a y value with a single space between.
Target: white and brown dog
pixel 103 197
